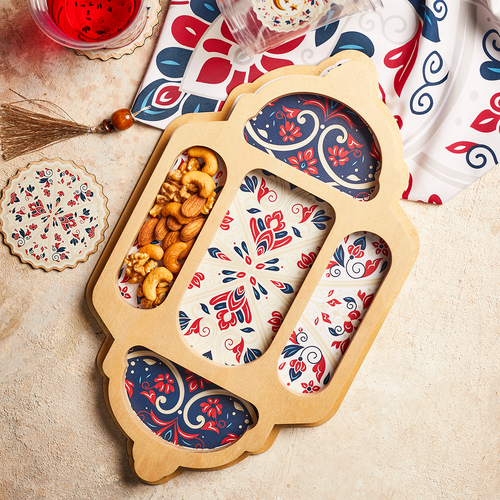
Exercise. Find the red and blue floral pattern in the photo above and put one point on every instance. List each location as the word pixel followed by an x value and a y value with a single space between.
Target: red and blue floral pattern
pixel 435 84
pixel 334 312
pixel 322 138
pixel 53 214
pixel 181 407
pixel 253 269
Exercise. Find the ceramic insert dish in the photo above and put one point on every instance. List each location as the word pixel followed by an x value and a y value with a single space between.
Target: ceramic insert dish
pixel 362 258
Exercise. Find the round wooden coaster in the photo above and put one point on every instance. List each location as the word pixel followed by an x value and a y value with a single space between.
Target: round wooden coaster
pixel 53 214
pixel 105 54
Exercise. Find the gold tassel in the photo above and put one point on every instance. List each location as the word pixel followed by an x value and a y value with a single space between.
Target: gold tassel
pixel 24 131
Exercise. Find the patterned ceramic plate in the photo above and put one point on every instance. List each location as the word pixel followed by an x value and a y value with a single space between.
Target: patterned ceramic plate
pixel 53 214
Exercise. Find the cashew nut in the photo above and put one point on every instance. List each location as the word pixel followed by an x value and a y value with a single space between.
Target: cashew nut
pixel 174 208
pixel 204 182
pixel 171 255
pixel 208 156
pixel 189 245
pixel 155 252
pixel 152 280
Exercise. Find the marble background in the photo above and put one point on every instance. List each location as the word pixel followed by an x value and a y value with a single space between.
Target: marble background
pixel 421 420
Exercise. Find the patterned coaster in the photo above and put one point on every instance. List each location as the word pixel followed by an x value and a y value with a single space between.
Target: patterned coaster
pixel 105 54
pixel 53 214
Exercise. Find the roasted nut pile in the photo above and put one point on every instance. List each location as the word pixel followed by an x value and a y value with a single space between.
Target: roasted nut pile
pixel 180 210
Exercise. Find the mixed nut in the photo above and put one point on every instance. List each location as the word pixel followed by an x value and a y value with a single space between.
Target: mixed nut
pixel 177 216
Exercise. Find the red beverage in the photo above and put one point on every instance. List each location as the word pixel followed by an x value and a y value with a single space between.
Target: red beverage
pixel 93 20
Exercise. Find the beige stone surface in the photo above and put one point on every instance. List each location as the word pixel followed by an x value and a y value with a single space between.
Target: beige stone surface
pixel 421 421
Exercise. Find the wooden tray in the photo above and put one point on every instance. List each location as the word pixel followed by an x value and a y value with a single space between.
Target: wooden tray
pixel 352 83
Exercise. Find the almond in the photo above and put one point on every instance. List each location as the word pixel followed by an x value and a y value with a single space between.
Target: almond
pixel 172 223
pixel 189 231
pixel 189 244
pixel 161 230
pixel 171 238
pixel 146 234
pixel 193 206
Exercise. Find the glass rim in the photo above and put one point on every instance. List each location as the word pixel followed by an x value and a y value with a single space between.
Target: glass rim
pixel 39 12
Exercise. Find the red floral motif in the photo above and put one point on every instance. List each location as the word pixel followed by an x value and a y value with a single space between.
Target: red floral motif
pixel 219 68
pixel 289 131
pixel 265 191
pixel 306 261
pixel 129 386
pixel 71 203
pixel 341 344
pixel 196 281
pixel 226 222
pixel 352 144
pixel 489 119
pixel 350 326
pixel 168 96
pixel 304 161
pixel 366 299
pixel 338 156
pixel 355 251
pixel 230 304
pixel 212 407
pixel 276 320
pixel 404 58
pixel 265 239
pixel 298 365
pixel 164 383
pixel 124 292
pixel 309 387
pixel 194 382
pixel 381 247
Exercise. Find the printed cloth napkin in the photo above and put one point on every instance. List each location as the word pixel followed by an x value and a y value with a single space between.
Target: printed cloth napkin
pixel 438 65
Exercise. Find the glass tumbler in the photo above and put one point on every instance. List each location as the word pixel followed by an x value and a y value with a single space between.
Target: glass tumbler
pixel 90 24
pixel 260 25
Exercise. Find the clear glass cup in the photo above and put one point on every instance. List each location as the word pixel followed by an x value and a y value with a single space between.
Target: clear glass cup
pixel 260 25
pixel 90 24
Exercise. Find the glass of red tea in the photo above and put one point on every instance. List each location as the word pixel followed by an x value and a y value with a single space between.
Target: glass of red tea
pixel 90 24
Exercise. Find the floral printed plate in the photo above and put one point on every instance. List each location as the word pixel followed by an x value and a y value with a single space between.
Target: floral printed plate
pixel 53 214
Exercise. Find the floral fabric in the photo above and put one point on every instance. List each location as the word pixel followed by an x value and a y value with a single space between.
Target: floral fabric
pixel 438 67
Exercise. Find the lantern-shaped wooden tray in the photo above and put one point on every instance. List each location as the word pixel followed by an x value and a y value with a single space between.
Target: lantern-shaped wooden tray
pixel 155 336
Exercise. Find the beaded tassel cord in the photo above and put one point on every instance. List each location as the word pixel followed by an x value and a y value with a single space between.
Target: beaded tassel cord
pixel 23 130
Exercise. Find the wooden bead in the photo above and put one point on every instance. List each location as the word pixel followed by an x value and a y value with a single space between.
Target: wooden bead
pixel 122 119
pixel 108 126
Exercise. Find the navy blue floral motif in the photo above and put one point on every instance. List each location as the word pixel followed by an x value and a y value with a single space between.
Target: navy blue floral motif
pixel 172 61
pixel 322 35
pixel 206 9
pixel 353 40
pixel 430 29
pixel 181 407
pixel 490 70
